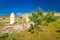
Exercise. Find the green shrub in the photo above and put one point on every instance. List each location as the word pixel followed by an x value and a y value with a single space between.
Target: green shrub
pixel 58 31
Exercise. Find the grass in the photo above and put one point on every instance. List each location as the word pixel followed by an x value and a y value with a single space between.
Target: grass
pixel 46 34
pixel 5 21
pixel 19 20
pixel 50 32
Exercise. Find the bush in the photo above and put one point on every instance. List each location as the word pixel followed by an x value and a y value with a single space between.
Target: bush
pixel 7 36
pixel 4 36
pixel 31 29
pixel 58 31
pixel 39 19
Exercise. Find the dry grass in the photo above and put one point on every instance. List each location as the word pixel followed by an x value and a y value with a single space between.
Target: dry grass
pixel 50 32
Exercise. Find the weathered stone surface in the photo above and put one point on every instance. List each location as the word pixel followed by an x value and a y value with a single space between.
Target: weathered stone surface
pixel 12 18
pixel 16 28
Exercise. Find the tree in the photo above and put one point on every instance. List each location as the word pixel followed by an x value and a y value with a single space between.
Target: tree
pixel 50 17
pixel 39 12
pixel 39 18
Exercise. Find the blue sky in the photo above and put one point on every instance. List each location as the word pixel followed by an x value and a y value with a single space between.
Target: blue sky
pixel 25 6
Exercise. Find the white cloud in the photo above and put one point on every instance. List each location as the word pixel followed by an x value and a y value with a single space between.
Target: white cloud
pixel 19 14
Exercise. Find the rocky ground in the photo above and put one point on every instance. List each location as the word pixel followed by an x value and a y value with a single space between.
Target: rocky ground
pixel 17 27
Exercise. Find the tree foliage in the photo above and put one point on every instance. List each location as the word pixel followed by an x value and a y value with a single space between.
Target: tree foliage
pixel 50 17
pixel 39 18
